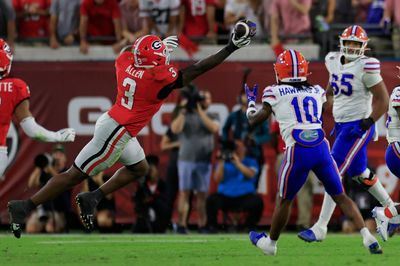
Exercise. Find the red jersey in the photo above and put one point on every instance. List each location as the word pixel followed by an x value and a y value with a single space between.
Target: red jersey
pixel 33 26
pixel 101 17
pixel 137 100
pixel 196 23
pixel 12 92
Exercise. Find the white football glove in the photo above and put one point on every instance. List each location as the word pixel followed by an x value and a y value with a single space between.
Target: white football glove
pixel 241 42
pixel 250 109
pixel 66 135
pixel 171 42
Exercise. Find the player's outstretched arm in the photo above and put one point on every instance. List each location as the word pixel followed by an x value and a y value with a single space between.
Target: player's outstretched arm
pixel 36 131
pixel 235 42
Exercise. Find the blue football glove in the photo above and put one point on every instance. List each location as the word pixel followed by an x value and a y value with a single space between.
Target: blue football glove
pixel 251 93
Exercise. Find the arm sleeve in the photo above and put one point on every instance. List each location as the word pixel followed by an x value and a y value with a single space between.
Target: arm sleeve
pixel 371 72
pixel 23 91
pixel 269 96
pixel 36 131
pixel 395 99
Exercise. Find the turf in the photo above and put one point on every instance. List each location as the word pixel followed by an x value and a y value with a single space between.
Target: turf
pixel 164 250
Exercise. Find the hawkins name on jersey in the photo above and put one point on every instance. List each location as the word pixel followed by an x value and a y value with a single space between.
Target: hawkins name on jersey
pixel 350 83
pixel 295 108
pixel 393 122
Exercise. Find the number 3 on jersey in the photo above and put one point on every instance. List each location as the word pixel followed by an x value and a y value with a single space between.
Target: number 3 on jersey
pixel 307 109
pixel 345 86
pixel 127 101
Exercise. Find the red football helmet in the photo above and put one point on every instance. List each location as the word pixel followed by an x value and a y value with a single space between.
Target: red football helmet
pixel 291 66
pixel 354 34
pixel 150 51
pixel 6 57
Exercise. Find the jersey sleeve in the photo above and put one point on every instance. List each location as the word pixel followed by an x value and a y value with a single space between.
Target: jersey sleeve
pixel 329 59
pixel 22 92
pixel 164 75
pixel 269 96
pixel 371 72
pixel 396 97
pixel 321 92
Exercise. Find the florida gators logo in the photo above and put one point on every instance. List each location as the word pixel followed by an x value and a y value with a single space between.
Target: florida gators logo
pixel 309 135
pixel 156 45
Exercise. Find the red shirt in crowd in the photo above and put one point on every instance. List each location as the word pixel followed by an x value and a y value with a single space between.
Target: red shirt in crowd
pixel 137 100
pixel 196 23
pixel 275 129
pixel 32 26
pixel 100 17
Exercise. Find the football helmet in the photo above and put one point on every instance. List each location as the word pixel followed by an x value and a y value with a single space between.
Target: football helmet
pixel 6 57
pixel 291 66
pixel 353 33
pixel 150 51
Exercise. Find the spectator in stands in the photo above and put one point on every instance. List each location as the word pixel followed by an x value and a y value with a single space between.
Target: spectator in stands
pixel 151 203
pixel 133 26
pixel 238 9
pixel 365 202
pixel 265 18
pixel 100 20
pixel 7 22
pixel 161 16
pixel 237 127
pixel 392 16
pixel 105 210
pixel 32 18
pixel 197 20
pixel 64 22
pixel 170 142
pixel 196 128
pixel 305 195
pixel 52 216
pixel 289 17
pixel 361 8
pixel 236 178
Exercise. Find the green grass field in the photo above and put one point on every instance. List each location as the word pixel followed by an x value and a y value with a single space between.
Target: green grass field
pixel 164 250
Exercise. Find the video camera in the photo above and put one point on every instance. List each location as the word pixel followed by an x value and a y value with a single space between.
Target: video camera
pixel 228 147
pixel 193 96
pixel 43 160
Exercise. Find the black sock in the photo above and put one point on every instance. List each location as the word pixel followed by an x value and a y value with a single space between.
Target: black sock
pixel 98 194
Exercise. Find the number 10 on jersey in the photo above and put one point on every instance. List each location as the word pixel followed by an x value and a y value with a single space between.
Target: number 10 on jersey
pixel 306 110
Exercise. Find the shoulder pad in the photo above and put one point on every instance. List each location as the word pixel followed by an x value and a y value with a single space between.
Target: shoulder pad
pixel 331 56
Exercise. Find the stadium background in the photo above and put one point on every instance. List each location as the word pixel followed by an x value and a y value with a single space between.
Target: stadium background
pixel 73 94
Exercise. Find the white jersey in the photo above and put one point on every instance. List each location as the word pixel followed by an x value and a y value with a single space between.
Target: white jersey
pixel 350 83
pixel 160 11
pixel 393 120
pixel 295 108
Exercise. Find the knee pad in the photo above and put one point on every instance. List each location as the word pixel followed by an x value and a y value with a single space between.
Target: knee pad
pixel 367 179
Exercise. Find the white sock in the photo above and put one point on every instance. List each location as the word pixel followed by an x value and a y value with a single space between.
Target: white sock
pixel 365 232
pixel 328 207
pixel 368 238
pixel 380 193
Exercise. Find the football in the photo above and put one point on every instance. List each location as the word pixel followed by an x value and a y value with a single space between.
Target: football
pixel 244 28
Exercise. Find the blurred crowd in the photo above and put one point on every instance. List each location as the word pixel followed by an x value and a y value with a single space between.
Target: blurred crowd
pixel 121 22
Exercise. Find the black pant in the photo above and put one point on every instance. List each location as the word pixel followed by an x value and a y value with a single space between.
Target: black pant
pixel 250 203
pixel 143 223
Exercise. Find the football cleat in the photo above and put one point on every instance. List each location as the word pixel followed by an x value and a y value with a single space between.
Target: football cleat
pixel 392 228
pixel 314 234
pixel 18 211
pixel 375 248
pixel 382 222
pixel 261 241
pixel 87 205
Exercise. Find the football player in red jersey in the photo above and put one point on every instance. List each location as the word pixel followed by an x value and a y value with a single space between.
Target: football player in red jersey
pixel 144 79
pixel 14 100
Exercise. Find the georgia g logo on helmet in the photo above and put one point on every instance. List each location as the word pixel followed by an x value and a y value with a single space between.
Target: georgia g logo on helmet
pixel 156 45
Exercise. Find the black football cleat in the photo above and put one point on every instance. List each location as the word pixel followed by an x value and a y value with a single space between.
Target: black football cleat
pixel 18 211
pixel 87 204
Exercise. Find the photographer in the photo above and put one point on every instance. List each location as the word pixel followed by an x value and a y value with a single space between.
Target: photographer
pixel 236 178
pixel 196 128
pixel 50 217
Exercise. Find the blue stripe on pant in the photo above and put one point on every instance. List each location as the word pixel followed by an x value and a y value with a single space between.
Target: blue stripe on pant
pixel 299 161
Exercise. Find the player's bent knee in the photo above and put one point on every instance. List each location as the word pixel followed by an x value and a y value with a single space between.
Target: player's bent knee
pixel 139 169
pixel 367 179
